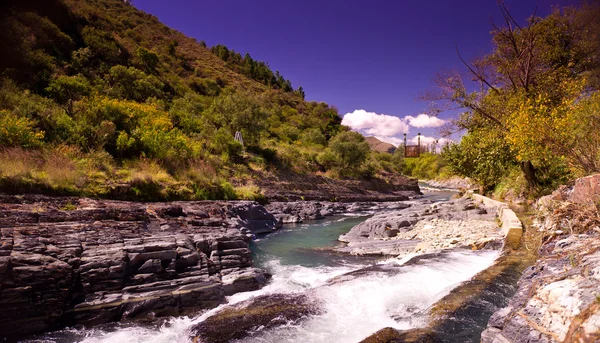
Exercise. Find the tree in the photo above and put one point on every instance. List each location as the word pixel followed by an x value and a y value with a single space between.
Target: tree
pixel 236 111
pixel 300 92
pixel 133 84
pixel 481 155
pixel 65 90
pixel 350 151
pixel 521 81
pixel 149 59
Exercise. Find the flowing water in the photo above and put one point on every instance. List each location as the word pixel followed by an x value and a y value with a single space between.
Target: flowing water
pixel 396 294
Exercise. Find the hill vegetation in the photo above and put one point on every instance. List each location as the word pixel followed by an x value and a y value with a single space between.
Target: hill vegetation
pixel 98 98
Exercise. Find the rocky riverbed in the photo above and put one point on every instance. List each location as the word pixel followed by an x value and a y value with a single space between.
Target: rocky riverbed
pixel 452 183
pixel 67 261
pixel 558 298
pixel 424 227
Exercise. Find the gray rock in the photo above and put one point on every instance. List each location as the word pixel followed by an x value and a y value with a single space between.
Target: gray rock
pixel 109 260
pixel 557 298
pixel 239 320
pixel 391 232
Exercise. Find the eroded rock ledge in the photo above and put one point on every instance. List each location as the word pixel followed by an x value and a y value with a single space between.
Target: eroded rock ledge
pixel 67 261
pixel 424 227
pixel 558 298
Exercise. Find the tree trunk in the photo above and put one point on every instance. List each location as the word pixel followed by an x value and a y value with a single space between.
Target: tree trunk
pixel 529 171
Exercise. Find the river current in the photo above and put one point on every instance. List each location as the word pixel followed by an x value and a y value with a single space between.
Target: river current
pixel 297 257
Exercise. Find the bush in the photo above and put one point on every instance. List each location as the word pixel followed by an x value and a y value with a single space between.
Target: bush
pixel 427 166
pixel 347 152
pixel 133 84
pixel 16 130
pixel 313 136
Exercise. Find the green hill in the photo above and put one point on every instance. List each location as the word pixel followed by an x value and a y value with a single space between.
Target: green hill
pixel 98 98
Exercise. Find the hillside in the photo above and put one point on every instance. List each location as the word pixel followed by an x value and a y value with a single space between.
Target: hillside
pixel 379 146
pixel 100 99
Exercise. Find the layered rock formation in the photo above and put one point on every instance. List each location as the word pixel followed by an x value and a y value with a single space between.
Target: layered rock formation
pixel 558 298
pixel 291 187
pixel 66 260
pixel 454 182
pixel 299 211
pixel 424 227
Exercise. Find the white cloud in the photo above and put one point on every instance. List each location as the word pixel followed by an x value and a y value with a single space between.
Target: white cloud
pixel 374 124
pixel 389 128
pixel 423 120
pixel 430 140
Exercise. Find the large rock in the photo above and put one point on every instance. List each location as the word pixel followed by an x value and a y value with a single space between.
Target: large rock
pixel 558 297
pixel 110 260
pixel 263 312
pixel 423 227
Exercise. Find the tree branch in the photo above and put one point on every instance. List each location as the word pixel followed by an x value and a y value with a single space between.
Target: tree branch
pixel 476 74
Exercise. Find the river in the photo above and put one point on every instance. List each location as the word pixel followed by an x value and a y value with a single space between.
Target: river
pixel 297 257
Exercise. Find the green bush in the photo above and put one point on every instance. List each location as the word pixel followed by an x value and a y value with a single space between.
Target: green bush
pixel 347 152
pixel 133 84
pixel 18 131
pixel 313 136
pixel 427 166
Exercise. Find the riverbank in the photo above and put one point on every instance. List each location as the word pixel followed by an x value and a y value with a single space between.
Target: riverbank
pixel 294 187
pixel 66 261
pixel 558 297
pixel 454 183
pixel 441 227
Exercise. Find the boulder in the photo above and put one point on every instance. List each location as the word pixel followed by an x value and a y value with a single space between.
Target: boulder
pixel 422 227
pixel 263 312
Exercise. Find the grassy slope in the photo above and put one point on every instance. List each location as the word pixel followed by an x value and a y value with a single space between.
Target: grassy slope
pixel 43 39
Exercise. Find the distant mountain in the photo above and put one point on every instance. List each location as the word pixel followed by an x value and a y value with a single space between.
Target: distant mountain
pixel 377 145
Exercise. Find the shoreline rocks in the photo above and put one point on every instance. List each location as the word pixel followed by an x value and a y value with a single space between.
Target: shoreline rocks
pixel 558 297
pixel 294 187
pixel 250 316
pixel 300 211
pixel 423 227
pixel 452 183
pixel 66 261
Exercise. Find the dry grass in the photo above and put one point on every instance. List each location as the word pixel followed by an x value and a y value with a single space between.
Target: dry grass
pixel 60 171
pixel 64 170
pixel 148 171
pixel 17 162
pixel 577 219
pixel 51 170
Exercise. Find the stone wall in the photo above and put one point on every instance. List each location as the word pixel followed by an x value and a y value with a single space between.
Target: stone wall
pixel 512 228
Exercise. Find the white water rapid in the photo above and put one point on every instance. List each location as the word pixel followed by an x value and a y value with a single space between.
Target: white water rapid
pixel 352 309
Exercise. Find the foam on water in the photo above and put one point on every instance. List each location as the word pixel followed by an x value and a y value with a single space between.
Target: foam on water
pixel 352 309
pixel 357 308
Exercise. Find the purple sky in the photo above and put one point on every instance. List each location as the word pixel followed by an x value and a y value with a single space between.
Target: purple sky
pixel 376 55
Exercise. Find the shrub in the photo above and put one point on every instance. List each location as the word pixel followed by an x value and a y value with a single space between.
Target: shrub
pixel 348 151
pixel 133 84
pixel 16 130
pixel 313 136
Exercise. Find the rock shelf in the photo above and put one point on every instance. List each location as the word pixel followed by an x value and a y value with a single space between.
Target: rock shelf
pixel 66 261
